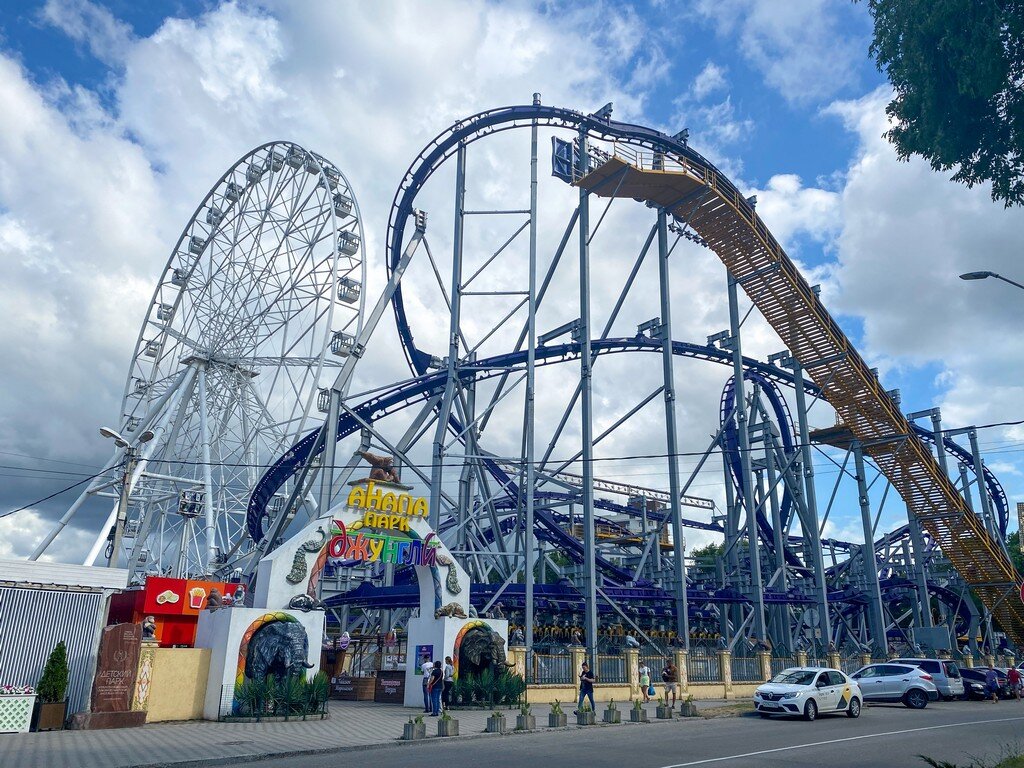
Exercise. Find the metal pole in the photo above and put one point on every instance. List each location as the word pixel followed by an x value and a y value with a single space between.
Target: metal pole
pixel 204 432
pixel 876 620
pixel 979 472
pixel 531 350
pixel 756 588
pixel 811 527
pixel 668 379
pixel 586 415
pixel 444 412
pixel 122 507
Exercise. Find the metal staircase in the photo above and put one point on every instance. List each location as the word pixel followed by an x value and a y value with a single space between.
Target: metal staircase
pixel 707 203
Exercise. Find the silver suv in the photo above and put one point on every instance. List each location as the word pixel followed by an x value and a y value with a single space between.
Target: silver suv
pixel 897 683
pixel 945 674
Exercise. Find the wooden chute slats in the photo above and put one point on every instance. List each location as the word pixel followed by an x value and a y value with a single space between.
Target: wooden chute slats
pixel 714 209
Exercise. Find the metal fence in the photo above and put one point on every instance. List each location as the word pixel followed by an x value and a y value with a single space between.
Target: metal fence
pixel 747 670
pixel 656 664
pixel 780 663
pixel 552 669
pixel 703 669
pixel 611 669
pixel 850 664
pixel 816 662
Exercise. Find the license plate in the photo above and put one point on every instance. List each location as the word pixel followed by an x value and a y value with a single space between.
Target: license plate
pixel 770 705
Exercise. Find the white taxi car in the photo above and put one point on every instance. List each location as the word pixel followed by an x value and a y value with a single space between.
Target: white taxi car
pixel 809 692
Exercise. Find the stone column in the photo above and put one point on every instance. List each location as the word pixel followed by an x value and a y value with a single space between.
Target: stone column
pixel 144 676
pixel 577 655
pixel 765 658
pixel 517 655
pixel 833 659
pixel 864 659
pixel 990 660
pixel 1011 660
pixel 969 660
pixel 632 657
pixel 725 669
pixel 801 658
pixel 680 659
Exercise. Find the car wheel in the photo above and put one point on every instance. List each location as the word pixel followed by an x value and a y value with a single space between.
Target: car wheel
pixel 810 711
pixel 854 709
pixel 915 699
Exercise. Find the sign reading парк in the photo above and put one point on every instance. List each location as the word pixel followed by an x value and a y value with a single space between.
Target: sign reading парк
pixel 114 683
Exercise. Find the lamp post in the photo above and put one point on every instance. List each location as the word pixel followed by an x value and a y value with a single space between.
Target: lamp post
pixel 130 459
pixel 982 275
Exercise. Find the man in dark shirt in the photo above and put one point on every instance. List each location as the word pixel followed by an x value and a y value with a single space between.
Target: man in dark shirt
pixel 586 688
pixel 670 676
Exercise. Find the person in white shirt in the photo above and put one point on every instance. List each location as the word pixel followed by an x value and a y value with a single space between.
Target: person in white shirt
pixel 425 666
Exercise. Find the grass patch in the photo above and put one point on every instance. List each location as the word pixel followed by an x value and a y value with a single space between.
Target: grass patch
pixel 1009 757
pixel 728 710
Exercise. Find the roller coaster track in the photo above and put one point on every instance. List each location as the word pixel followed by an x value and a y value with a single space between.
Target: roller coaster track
pixel 698 195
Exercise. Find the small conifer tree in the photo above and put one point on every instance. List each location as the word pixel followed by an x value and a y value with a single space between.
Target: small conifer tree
pixel 53 685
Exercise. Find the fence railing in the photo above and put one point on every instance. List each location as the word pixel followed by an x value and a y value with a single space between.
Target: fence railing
pixel 703 669
pixel 552 669
pixel 747 670
pixel 850 664
pixel 611 669
pixel 780 663
pixel 655 664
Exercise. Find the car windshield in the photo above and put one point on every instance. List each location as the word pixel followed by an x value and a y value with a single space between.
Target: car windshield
pixel 795 677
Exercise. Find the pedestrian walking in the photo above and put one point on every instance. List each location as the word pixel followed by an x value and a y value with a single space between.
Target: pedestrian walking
pixel 992 683
pixel 1013 680
pixel 435 686
pixel 449 681
pixel 645 682
pixel 670 677
pixel 426 666
pixel 586 688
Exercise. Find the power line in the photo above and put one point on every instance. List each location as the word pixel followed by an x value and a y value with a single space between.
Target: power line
pixel 52 495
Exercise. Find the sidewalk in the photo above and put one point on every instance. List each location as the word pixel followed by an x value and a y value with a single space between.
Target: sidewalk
pixel 351 725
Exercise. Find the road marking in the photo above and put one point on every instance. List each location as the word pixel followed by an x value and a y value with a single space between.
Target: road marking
pixel 839 741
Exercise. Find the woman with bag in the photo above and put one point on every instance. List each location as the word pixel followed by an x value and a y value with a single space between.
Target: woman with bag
pixel 646 687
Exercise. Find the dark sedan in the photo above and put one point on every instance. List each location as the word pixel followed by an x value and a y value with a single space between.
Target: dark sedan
pixel 974 683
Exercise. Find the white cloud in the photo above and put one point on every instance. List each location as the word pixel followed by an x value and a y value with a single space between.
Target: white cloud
pixel 91 25
pixel 708 81
pixel 807 50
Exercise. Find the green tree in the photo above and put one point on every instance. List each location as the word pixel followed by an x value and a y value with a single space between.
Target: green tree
pixel 1013 544
pixel 957 68
pixel 53 685
pixel 705 559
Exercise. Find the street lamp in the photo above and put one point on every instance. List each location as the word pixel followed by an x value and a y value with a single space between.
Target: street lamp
pixel 130 457
pixel 983 274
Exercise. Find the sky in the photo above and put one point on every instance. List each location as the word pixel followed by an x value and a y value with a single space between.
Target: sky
pixel 118 117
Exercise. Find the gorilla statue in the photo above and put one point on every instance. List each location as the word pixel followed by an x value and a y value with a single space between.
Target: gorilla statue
pixel 482 648
pixel 280 649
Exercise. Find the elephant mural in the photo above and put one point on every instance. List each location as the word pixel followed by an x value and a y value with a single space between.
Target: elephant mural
pixel 482 648
pixel 280 649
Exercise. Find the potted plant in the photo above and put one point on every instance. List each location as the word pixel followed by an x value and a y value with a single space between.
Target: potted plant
pixel 664 710
pixel 496 722
pixel 447 725
pixel 585 715
pixel 414 729
pixel 637 714
pixel 16 705
pixel 524 720
pixel 53 688
pixel 688 708
pixel 611 713
pixel 557 718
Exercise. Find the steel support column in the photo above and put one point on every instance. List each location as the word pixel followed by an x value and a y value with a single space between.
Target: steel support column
pixel 668 379
pixel 528 416
pixel 876 619
pixel 587 416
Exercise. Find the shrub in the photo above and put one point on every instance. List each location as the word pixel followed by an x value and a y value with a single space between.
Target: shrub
pixel 53 685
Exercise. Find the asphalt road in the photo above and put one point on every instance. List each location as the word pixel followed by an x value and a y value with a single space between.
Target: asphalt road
pixel 884 736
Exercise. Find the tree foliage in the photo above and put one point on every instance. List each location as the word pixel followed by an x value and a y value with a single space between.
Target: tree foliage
pixel 1013 545
pixel 53 685
pixel 957 67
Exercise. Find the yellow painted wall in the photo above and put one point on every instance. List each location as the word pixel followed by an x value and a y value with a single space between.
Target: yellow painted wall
pixel 545 694
pixel 179 684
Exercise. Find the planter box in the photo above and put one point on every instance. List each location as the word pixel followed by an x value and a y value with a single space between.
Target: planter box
pixel 585 718
pixel 496 724
pixel 612 716
pixel 448 727
pixel 688 709
pixel 557 721
pixel 413 731
pixel 50 717
pixel 664 712
pixel 638 716
pixel 526 722
pixel 16 713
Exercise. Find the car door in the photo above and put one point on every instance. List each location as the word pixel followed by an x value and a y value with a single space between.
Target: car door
pixel 825 693
pixel 841 688
pixel 895 678
pixel 872 684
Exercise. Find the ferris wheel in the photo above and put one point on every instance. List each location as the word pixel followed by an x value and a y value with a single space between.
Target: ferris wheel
pixel 258 306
